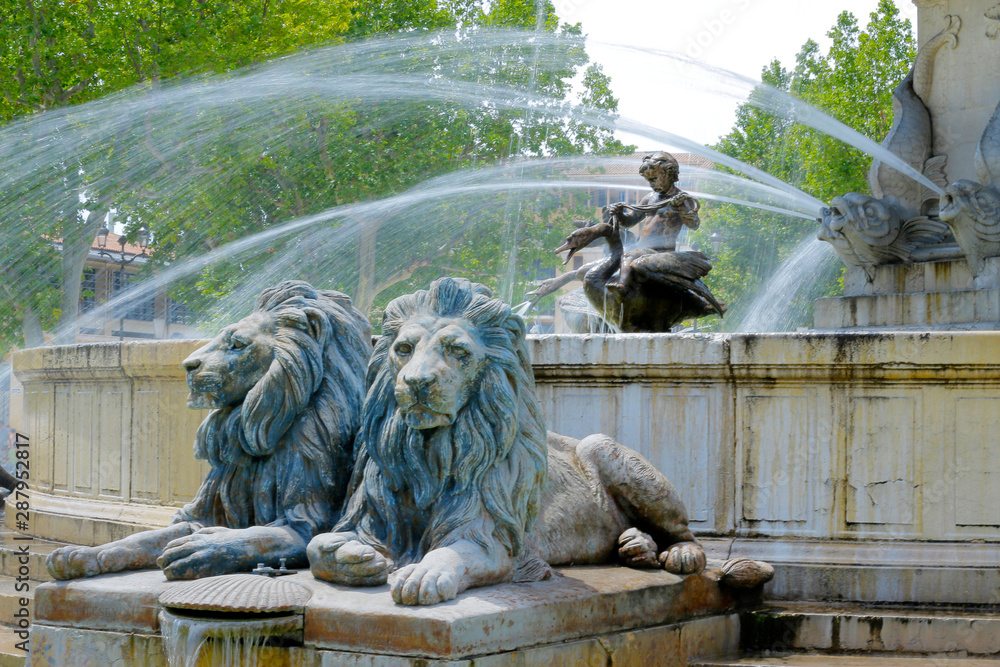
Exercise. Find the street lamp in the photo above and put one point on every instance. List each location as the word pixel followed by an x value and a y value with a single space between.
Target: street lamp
pixel 716 241
pixel 143 238
pixel 124 259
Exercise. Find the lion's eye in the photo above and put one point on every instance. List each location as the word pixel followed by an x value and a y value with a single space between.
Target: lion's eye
pixel 404 349
pixel 458 351
pixel 237 343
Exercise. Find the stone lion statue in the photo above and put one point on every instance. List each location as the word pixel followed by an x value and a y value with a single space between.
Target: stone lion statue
pixel 285 385
pixel 456 483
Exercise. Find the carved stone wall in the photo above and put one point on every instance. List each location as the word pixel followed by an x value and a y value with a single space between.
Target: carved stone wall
pixel 830 436
pixel 111 437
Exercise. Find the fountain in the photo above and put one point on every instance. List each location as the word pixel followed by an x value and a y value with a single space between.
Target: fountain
pixel 921 255
pixel 227 620
pixel 856 463
pixel 653 286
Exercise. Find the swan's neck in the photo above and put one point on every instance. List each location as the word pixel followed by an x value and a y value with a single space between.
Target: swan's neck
pixel 600 274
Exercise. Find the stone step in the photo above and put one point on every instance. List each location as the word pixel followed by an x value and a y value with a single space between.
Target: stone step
pixel 928 574
pixel 12 560
pixel 852 627
pixel 10 654
pixel 11 594
pixel 12 554
pixel 804 659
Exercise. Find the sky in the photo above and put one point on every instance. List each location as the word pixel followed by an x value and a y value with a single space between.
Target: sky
pixel 741 36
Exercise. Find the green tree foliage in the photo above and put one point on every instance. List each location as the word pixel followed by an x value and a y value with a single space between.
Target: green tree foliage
pixel 333 153
pixel 54 54
pixel 852 82
pixel 242 167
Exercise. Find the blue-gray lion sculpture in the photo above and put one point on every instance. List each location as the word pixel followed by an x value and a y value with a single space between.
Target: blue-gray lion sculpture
pixel 456 483
pixel 285 385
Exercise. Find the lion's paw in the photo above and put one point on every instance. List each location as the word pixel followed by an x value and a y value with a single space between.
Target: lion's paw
pixel 73 561
pixel 204 553
pixel 424 584
pixel 342 559
pixel 637 549
pixel 684 558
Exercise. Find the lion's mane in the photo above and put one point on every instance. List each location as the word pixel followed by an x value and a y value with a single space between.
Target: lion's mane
pixel 483 481
pixel 284 456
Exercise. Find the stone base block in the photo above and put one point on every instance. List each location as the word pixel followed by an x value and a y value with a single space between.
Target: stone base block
pixel 941 295
pixel 940 276
pixel 588 615
pixel 960 310
pixel 672 645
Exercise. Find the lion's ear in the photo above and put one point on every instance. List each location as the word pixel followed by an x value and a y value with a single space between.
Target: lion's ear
pixel 319 325
pixel 308 319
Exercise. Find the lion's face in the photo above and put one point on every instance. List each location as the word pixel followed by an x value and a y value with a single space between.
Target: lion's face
pixel 437 362
pixel 220 373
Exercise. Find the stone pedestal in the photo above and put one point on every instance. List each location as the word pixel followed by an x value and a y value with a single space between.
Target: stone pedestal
pixel 587 616
pixel 936 296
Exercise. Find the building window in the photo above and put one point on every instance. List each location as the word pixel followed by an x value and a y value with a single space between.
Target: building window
pixel 119 283
pixel 178 313
pixel 141 309
pixel 602 198
pixel 88 290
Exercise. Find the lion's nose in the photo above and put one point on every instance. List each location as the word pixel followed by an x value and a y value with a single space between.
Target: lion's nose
pixel 191 364
pixel 419 382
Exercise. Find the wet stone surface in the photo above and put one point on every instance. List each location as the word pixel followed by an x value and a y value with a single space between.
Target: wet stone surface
pixel 584 602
